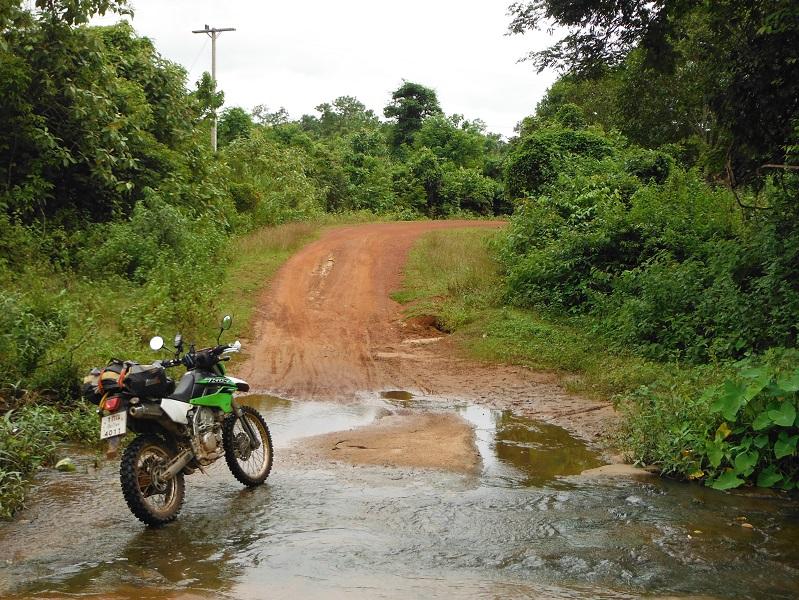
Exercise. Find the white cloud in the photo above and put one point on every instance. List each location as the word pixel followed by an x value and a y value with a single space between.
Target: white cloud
pixel 301 54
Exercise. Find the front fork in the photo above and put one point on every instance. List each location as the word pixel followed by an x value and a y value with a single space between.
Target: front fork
pixel 255 440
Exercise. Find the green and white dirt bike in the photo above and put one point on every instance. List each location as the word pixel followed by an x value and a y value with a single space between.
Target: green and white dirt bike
pixel 181 428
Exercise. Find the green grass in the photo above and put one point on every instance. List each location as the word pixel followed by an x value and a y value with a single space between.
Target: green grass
pixel 254 260
pixel 453 276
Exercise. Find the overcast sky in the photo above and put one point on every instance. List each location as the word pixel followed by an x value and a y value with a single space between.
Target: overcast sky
pixel 302 53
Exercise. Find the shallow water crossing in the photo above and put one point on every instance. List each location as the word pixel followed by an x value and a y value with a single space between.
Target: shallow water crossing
pixel 528 525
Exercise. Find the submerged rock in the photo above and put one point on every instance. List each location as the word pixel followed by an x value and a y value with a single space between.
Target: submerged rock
pixel 66 465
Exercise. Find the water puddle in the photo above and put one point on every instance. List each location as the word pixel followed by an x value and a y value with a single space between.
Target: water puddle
pixel 522 452
pixel 291 420
pixel 521 529
pixel 400 395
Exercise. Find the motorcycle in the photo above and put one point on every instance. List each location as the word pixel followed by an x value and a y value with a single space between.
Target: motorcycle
pixel 181 428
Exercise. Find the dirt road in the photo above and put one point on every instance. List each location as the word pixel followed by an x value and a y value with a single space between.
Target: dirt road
pixel 328 329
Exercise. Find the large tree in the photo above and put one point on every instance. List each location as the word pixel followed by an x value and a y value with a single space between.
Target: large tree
pixel 410 105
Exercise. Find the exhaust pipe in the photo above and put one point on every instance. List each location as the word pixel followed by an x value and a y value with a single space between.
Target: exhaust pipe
pixel 146 411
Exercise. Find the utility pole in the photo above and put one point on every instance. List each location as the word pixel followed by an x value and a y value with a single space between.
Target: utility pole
pixel 213 33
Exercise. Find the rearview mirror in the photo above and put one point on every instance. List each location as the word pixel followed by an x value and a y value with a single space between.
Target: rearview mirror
pixel 178 340
pixel 227 321
pixel 157 342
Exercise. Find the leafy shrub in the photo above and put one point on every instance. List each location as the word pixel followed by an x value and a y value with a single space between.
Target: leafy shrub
pixel 272 179
pixel 649 165
pixel 468 189
pixel 537 158
pixel 741 431
pixel 571 116
pixel 670 270
pixel 758 438
pixel 156 232
pixel 28 328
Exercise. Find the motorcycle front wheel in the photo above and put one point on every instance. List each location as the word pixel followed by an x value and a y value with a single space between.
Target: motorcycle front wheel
pixel 250 466
pixel 153 501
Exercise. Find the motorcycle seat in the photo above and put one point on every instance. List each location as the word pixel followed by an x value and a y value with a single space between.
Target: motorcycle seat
pixel 185 387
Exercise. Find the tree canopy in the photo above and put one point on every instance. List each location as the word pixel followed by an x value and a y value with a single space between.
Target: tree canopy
pixel 410 105
pixel 731 69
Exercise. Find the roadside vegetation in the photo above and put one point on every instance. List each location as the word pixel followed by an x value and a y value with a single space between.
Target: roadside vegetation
pixel 653 250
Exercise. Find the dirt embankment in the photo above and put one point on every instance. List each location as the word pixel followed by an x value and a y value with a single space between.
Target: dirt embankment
pixel 327 329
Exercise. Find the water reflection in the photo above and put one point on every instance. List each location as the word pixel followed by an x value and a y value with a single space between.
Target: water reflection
pixel 401 395
pixel 518 451
pixel 289 420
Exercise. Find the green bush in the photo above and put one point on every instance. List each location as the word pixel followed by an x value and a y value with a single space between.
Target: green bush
pixel 272 180
pixel 29 326
pixel 539 157
pixel 649 165
pixel 469 190
pixel 741 431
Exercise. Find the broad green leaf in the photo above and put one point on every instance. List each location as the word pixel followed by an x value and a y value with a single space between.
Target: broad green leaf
pixel 784 415
pixel 762 420
pixel 789 383
pixel 754 373
pixel 715 454
pixel 723 432
pixel 745 462
pixel 761 441
pixel 732 398
pixel 755 388
pixel 768 477
pixel 726 481
pixel 785 446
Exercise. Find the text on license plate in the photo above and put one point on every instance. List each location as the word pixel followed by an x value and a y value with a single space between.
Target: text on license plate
pixel 115 424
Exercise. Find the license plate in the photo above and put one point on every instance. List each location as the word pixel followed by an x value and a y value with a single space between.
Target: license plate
pixel 116 424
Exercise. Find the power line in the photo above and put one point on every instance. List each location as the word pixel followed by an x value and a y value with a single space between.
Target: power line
pixel 196 58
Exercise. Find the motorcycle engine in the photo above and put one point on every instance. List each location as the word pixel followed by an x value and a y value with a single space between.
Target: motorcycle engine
pixel 207 434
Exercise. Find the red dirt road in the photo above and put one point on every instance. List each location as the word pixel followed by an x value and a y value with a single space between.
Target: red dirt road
pixel 327 329
pixel 327 321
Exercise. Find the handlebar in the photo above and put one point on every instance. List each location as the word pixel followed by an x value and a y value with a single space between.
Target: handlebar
pixel 192 359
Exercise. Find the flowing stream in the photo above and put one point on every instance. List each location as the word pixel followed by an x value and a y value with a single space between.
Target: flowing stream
pixel 529 526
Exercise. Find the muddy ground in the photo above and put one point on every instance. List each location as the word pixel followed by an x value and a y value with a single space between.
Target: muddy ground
pixel 327 329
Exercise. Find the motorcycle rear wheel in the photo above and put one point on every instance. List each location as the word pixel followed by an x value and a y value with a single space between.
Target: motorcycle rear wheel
pixel 152 501
pixel 250 466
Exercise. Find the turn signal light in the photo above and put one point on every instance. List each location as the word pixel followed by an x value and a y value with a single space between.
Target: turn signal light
pixel 112 403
